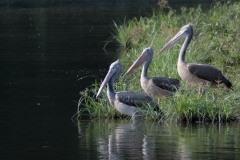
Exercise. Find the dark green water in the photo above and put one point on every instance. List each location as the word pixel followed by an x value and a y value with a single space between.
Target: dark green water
pixel 103 139
pixel 50 53
pixel 47 56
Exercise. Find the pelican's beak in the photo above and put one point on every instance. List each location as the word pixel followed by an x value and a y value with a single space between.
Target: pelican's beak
pixel 105 81
pixel 140 60
pixel 175 39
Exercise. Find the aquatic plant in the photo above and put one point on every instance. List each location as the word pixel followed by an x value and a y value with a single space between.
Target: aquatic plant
pixel 215 42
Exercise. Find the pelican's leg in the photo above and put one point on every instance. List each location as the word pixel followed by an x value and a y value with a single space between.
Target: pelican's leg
pixel 137 115
pixel 201 91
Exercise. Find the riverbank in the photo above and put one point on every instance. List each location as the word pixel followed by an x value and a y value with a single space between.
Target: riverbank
pixel 215 42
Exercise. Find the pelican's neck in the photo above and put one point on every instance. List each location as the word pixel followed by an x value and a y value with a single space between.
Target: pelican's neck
pixel 182 53
pixel 110 89
pixel 145 68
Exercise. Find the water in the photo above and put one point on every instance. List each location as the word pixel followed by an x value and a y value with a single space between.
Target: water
pixel 48 55
pixel 145 140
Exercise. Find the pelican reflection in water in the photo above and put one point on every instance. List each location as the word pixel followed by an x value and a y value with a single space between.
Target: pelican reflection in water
pixel 127 103
pixel 156 86
pixel 194 74
pixel 130 140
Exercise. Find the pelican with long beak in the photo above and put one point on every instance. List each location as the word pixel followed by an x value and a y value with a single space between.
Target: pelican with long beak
pixel 200 75
pixel 127 103
pixel 157 87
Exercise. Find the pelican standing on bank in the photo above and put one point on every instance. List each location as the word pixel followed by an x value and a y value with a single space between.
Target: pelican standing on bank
pixel 157 87
pixel 127 103
pixel 200 75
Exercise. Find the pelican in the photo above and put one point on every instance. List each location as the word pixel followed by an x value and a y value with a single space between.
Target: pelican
pixel 200 75
pixel 157 87
pixel 127 103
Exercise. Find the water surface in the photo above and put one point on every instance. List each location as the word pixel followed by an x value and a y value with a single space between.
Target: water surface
pixel 48 54
pixel 104 139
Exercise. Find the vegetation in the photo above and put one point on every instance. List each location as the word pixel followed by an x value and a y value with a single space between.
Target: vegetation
pixel 215 42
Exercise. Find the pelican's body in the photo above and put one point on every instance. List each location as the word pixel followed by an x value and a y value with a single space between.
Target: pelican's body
pixel 157 87
pixel 200 75
pixel 127 103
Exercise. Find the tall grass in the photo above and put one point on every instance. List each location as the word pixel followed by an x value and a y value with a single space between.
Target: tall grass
pixel 215 42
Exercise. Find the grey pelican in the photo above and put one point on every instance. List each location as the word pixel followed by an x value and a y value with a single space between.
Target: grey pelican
pixel 127 103
pixel 157 87
pixel 200 75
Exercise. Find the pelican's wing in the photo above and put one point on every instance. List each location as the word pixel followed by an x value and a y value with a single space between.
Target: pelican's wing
pixel 133 99
pixel 170 84
pixel 208 73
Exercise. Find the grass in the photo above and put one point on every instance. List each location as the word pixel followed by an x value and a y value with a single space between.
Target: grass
pixel 215 42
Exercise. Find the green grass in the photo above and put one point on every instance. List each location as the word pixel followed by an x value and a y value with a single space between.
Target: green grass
pixel 215 42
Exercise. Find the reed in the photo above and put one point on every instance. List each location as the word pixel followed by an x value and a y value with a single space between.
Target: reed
pixel 215 42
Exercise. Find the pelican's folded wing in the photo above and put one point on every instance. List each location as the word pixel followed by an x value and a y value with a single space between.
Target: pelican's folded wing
pixel 208 73
pixel 170 84
pixel 133 99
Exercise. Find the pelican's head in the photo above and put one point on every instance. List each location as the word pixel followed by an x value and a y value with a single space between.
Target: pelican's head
pixel 114 70
pixel 183 33
pixel 146 55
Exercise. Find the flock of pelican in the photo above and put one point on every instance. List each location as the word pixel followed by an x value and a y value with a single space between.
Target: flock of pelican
pixel 198 75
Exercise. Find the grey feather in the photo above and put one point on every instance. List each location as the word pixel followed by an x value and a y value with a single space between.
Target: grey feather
pixel 208 73
pixel 132 98
pixel 170 84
